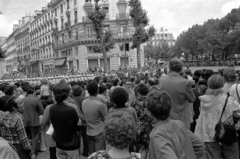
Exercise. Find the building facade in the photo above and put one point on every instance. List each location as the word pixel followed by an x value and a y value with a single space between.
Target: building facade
pixel 11 62
pixel 163 36
pixel 22 42
pixel 60 38
pixel 73 35
pixel 42 55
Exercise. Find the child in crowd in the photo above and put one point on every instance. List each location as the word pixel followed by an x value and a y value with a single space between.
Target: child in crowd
pixel 44 89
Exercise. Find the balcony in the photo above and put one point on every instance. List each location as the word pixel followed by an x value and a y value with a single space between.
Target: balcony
pixel 122 16
pixel 67 24
pixel 86 19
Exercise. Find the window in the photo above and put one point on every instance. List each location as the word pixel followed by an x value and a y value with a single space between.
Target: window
pixel 69 34
pixel 121 47
pixel 88 1
pixel 90 49
pixel 75 2
pixel 62 23
pixel 75 17
pixel 56 24
pixel 106 27
pixel 106 9
pixel 61 8
pixel 68 17
pixel 68 4
pixel 89 30
pixel 55 12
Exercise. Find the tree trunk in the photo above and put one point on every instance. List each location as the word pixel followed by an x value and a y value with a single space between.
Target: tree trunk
pixel 138 57
pixel 105 60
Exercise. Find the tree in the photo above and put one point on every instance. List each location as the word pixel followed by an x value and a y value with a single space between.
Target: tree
pixel 159 51
pixel 104 37
pixel 140 22
pixel 2 53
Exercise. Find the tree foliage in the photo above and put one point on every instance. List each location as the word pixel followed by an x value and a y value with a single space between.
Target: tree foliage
pixel 104 37
pixel 159 51
pixel 140 22
pixel 216 39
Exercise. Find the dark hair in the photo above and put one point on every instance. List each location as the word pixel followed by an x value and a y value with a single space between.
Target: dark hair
pixel 116 81
pixel 24 83
pixel 151 81
pixel 72 83
pixel 3 86
pixel 159 103
pixel 120 129
pixel 77 90
pixel 37 87
pixel 109 85
pixel 9 90
pixel 97 79
pixel 28 88
pixel 61 92
pixel 208 74
pixel 17 84
pixel 102 88
pixel 11 103
pixel 119 96
pixel 198 73
pixel 105 79
pixel 92 88
pixel 137 81
pixel 175 65
pixel 142 89
pixel 196 79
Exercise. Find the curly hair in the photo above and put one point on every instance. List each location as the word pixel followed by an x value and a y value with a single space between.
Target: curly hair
pixel 142 89
pixel 120 129
pixel 11 103
pixel 61 92
pixel 120 96
pixel 159 104
pixel 175 65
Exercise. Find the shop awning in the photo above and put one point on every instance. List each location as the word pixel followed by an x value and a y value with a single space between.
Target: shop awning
pixel 59 62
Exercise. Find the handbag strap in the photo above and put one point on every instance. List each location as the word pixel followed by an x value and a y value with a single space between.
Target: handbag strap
pixel 237 94
pixel 224 107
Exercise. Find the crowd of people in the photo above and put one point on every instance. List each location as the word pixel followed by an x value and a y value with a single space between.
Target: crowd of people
pixel 173 114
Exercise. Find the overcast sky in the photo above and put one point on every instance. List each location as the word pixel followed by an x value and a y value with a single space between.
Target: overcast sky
pixel 173 15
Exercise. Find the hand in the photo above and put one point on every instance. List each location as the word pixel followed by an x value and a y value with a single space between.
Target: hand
pixel 79 122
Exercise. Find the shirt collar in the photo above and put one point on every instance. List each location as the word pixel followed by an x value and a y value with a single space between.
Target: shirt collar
pixel 174 74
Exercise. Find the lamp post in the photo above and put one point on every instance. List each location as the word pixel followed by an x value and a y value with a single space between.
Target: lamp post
pixel 125 52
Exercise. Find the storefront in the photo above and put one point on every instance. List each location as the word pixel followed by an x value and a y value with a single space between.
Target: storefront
pixel 60 65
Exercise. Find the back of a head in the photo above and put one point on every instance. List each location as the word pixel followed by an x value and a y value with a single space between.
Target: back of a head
pixel 142 89
pixel 215 82
pixel 3 86
pixel 61 92
pixel 9 90
pixel 116 81
pixel 188 72
pixel 198 73
pixel 28 88
pixel 208 74
pixel 159 104
pixel 11 103
pixel 102 88
pixel 92 88
pixel 44 81
pixel 151 81
pixel 120 129
pixel 77 90
pixel 175 65
pixel 229 74
pixel 120 96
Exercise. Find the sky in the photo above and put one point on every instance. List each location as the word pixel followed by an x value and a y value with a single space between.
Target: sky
pixel 173 15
